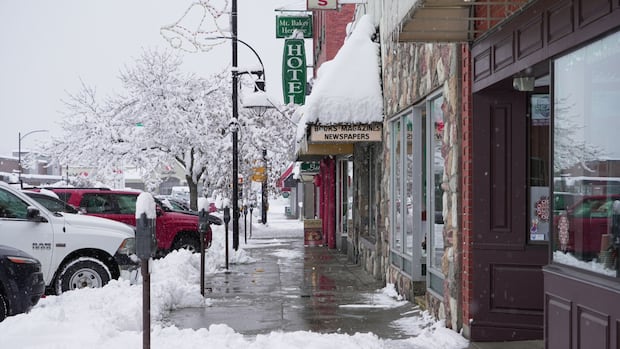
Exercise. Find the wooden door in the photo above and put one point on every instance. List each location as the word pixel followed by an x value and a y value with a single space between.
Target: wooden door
pixel 507 280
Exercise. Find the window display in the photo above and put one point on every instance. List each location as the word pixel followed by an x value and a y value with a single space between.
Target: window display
pixel 586 151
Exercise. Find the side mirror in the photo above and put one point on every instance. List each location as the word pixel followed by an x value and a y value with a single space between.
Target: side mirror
pixel 33 214
pixel 159 211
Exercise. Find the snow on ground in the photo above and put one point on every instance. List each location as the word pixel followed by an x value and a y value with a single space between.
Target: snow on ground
pixel 111 317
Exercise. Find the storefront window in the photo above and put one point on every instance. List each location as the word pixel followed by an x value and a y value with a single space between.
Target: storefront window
pixel 435 192
pixel 369 179
pixel 586 152
pixel 417 174
pixel 397 196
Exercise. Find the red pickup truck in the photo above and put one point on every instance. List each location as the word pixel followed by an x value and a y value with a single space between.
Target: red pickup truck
pixel 174 229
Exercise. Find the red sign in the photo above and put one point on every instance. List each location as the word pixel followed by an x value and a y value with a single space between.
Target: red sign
pixel 321 5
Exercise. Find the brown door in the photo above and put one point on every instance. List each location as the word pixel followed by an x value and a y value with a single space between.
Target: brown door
pixel 507 285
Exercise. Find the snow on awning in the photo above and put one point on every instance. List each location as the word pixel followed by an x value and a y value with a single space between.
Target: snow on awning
pixel 347 89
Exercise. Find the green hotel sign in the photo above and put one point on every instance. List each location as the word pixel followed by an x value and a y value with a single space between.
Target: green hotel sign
pixel 285 25
pixel 294 71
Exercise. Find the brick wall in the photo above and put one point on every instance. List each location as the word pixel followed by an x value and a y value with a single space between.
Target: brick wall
pixel 467 190
pixel 499 11
pixel 329 33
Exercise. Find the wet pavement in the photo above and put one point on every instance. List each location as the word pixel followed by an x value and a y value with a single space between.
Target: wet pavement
pixel 295 288
pixel 292 287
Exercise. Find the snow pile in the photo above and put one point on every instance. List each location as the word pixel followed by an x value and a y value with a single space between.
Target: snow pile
pixel 385 298
pixel 111 317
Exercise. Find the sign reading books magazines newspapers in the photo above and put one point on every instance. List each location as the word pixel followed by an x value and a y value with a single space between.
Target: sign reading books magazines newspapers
pixel 348 133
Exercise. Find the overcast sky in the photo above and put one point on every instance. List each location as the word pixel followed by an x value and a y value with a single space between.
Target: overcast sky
pixel 49 46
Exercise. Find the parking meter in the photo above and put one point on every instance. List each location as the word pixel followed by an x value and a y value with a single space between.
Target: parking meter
pixel 226 215
pixel 245 223
pixel 203 227
pixel 146 245
pixel 146 242
pixel 251 209
pixel 226 220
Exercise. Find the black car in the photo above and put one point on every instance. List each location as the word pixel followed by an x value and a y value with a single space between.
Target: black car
pixel 21 281
pixel 51 203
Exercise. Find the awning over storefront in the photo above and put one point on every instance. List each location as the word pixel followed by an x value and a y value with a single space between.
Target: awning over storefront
pixel 346 103
pixel 284 178
pixel 454 20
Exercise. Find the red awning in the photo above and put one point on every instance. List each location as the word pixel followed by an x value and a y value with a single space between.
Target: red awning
pixel 288 172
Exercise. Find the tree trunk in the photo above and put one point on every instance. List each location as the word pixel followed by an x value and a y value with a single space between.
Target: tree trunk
pixel 193 193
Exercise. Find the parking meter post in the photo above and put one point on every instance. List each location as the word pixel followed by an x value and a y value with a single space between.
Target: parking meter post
pixel 226 220
pixel 146 245
pixel 251 209
pixel 203 226
pixel 245 223
pixel 146 304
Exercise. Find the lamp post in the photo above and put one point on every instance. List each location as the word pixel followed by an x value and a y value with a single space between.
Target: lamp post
pixel 182 33
pixel 19 154
pixel 260 88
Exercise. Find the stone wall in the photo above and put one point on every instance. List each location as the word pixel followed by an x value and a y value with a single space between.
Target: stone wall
pixel 411 71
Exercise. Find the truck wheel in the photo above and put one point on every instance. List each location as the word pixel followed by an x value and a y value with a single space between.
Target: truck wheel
pixel 4 309
pixel 187 242
pixel 83 272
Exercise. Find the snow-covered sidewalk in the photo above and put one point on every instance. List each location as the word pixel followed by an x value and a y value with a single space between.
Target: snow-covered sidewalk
pixel 111 317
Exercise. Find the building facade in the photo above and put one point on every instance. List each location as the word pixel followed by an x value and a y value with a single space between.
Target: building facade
pixel 493 195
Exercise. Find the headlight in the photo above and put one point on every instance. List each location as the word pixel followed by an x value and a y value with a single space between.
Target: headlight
pixel 128 246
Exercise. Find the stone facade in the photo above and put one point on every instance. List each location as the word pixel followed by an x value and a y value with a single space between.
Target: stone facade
pixel 411 71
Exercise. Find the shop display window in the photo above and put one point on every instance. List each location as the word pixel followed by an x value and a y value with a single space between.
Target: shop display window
pixel 586 157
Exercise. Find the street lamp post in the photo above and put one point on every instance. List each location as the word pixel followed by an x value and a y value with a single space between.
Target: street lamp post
pixel 182 32
pixel 235 114
pixel 259 87
pixel 19 154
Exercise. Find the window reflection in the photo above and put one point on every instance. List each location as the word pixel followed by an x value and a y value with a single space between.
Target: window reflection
pixel 587 157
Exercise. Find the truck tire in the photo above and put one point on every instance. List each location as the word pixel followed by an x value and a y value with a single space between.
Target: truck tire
pixel 187 242
pixel 83 272
pixel 4 307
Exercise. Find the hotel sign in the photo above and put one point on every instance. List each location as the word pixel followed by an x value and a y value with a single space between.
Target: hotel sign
pixel 294 71
pixel 285 25
pixel 347 133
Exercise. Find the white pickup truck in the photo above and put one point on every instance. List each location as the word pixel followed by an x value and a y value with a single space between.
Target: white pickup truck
pixel 75 251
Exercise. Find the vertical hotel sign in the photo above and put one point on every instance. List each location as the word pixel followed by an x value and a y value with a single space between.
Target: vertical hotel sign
pixel 294 71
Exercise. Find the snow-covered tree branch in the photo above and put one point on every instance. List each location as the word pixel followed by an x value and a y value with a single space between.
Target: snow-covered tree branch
pixel 165 116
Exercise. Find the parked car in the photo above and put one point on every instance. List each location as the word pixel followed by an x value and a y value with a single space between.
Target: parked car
pixel 563 200
pixel 174 229
pixel 52 203
pixel 181 206
pixel 21 281
pixel 580 229
pixel 75 251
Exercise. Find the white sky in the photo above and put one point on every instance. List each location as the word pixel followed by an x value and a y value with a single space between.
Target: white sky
pixel 111 317
pixel 48 46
